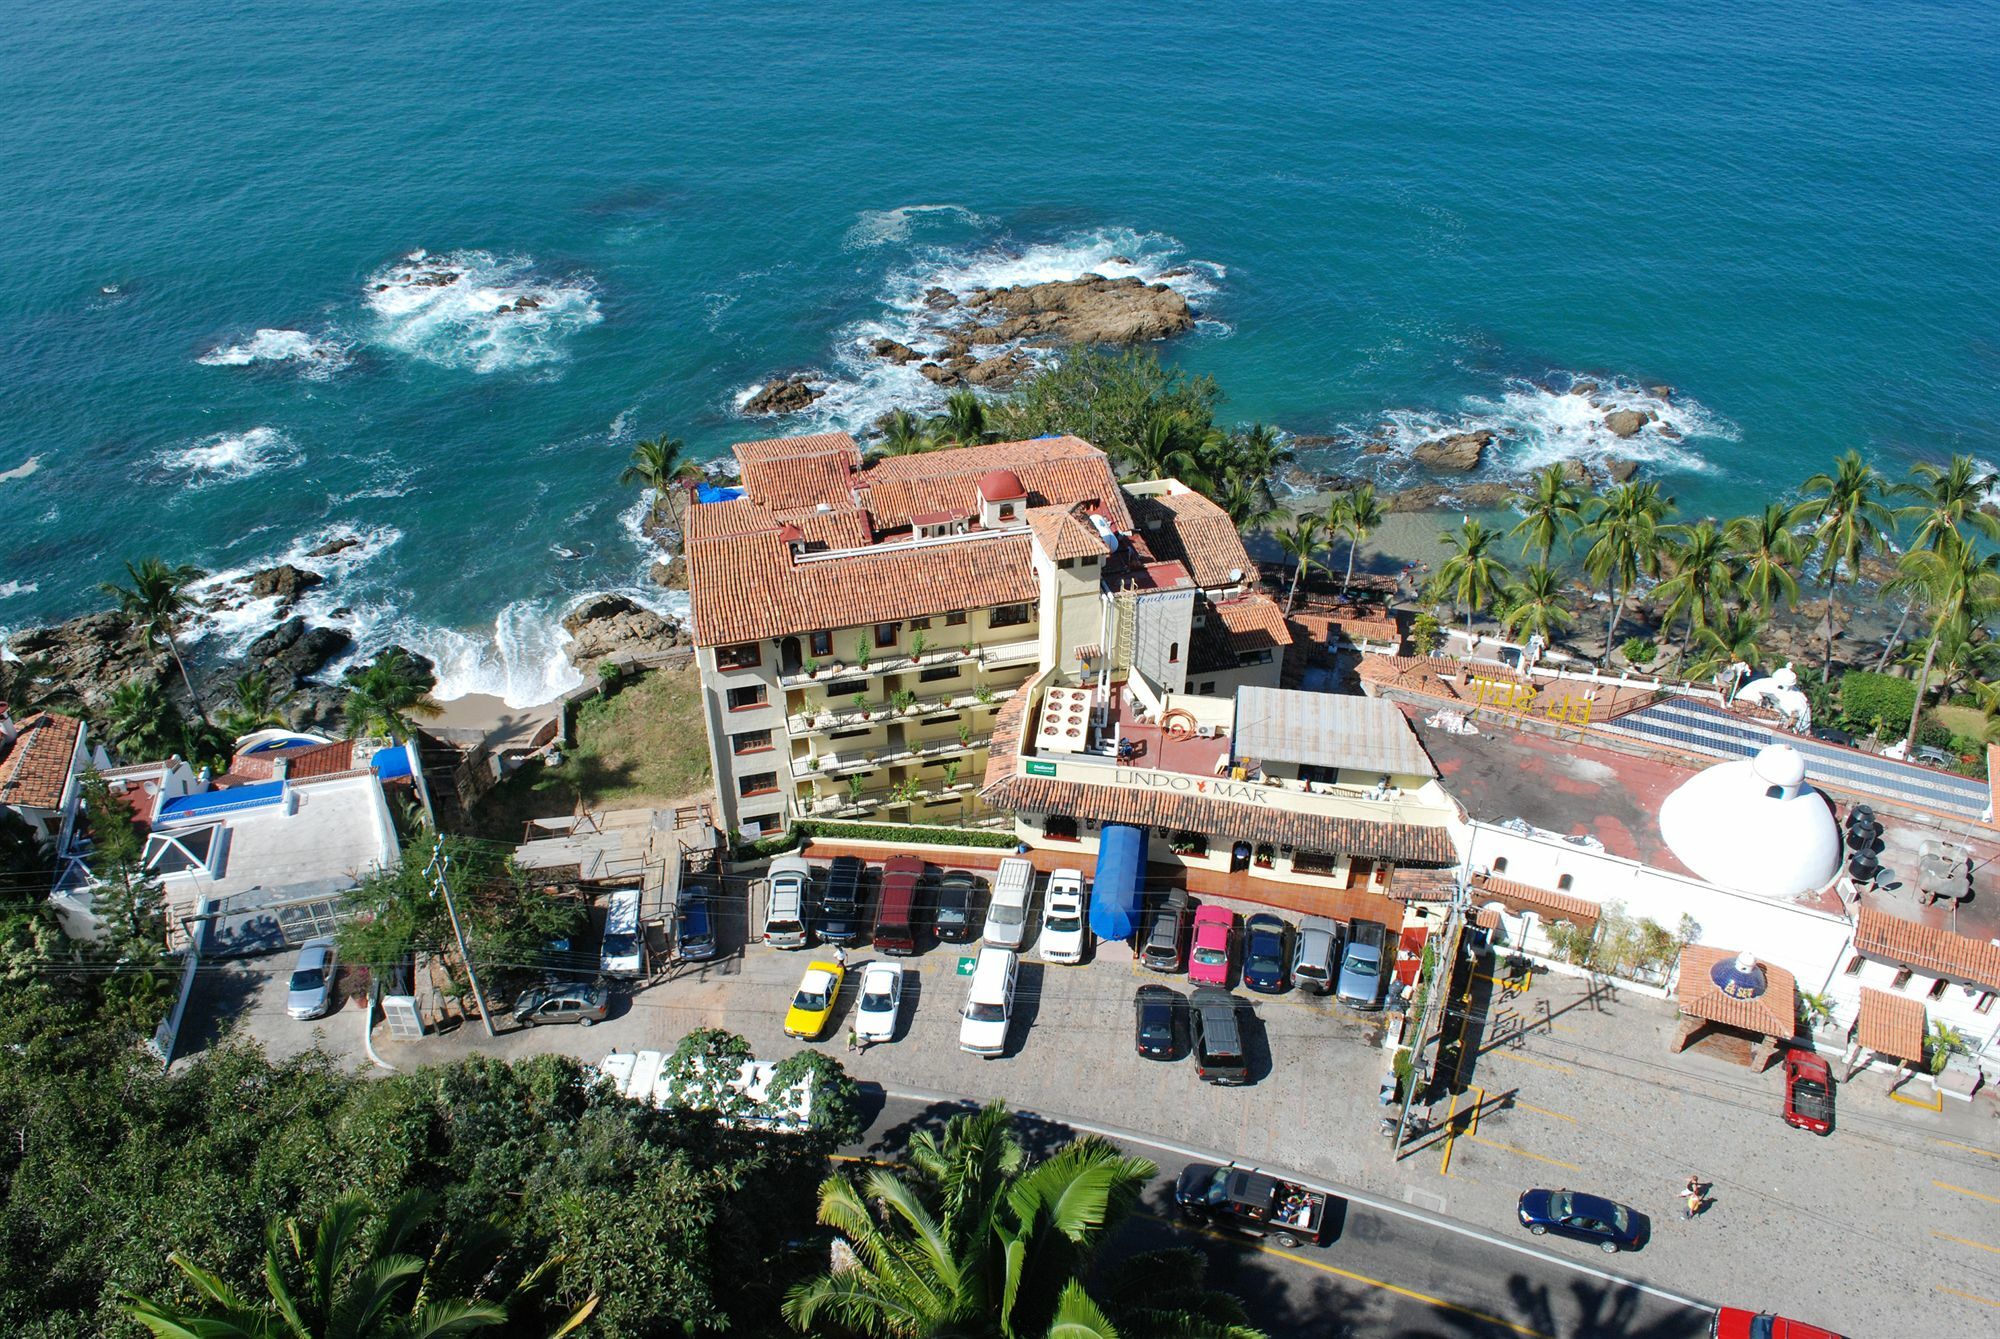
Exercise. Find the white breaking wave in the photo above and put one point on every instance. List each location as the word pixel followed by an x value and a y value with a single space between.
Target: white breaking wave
pixel 319 357
pixel 9 589
pixel 22 470
pixel 876 227
pixel 478 311
pixel 860 387
pixel 225 456
pixel 1536 426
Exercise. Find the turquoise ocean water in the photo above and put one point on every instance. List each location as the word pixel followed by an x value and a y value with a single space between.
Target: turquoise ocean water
pixel 214 343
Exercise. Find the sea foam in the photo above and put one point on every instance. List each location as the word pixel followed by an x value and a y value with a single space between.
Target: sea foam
pixel 224 456
pixel 318 357
pixel 22 470
pixel 478 311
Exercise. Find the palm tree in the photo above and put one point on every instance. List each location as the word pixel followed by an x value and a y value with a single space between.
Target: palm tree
pixel 977 1240
pixel 326 1280
pixel 1299 541
pixel 1626 540
pixel 1725 640
pixel 1472 578
pixel 1702 582
pixel 1162 449
pixel 1766 553
pixel 383 696
pixel 255 703
pixel 141 721
pixel 661 465
pixel 1360 514
pixel 904 434
pixel 1533 606
pixel 157 603
pixel 1552 509
pixel 1949 500
pixel 1849 520
pixel 963 422
pixel 1959 584
pixel 1251 507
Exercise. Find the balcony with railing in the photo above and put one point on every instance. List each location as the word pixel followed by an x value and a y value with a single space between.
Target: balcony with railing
pixel 849 761
pixel 845 715
pixel 992 655
pixel 901 796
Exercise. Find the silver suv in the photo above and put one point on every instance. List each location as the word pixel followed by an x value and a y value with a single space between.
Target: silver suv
pixel 1316 955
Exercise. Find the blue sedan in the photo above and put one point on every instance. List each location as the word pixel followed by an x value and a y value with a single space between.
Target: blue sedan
pixel 1264 954
pixel 1570 1213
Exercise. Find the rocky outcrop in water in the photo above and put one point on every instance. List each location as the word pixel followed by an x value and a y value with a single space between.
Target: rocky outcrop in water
pixel 284 581
pixel 1627 422
pixel 782 395
pixel 1087 310
pixel 84 659
pixel 607 626
pixel 1461 451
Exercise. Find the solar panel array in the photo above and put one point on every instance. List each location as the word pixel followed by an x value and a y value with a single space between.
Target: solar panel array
pixel 1699 727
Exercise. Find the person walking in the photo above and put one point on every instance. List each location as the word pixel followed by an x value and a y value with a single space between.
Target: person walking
pixel 1695 1202
pixel 840 956
pixel 853 1040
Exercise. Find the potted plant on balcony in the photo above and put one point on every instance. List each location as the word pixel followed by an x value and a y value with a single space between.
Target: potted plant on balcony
pixel 812 763
pixel 854 789
pixel 964 735
pixel 862 652
pixel 903 700
pixel 983 695
pixel 860 702
pixel 951 774
pixel 917 644
pixel 811 667
pixel 1265 857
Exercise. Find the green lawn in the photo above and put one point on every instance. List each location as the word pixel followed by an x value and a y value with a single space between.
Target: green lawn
pixel 643 748
pixel 1968 721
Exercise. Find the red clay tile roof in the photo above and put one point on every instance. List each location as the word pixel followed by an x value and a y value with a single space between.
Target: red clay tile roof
pixel 34 768
pixel 1193 530
pixel 786 472
pixel 1063 534
pixel 1001 486
pixel 1055 471
pixel 1225 819
pixel 1373 624
pixel 308 760
pixel 1938 952
pixel 1412 674
pixel 1005 742
pixel 1775 1013
pixel 1236 628
pixel 1891 1025
pixel 1543 901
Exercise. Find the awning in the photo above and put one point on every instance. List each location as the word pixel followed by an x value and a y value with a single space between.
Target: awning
pixel 1891 1025
pixel 1114 896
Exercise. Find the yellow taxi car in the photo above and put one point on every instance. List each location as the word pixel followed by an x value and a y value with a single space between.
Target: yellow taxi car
pixel 813 1005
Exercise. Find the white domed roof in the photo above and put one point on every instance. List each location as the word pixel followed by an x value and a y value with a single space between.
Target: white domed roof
pixel 1754 825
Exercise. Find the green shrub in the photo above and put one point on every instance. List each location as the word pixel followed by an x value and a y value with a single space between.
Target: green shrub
pixel 1425 634
pixel 1935 735
pixel 834 830
pixel 1877 702
pixel 1819 694
pixel 1639 650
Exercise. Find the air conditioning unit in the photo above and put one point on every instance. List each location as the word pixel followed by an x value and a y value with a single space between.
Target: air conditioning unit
pixel 1204 732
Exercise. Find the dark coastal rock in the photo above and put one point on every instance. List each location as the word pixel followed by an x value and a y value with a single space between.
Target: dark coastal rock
pixel 782 395
pixel 1576 472
pixel 1460 451
pixel 334 546
pixel 294 651
pixel 284 581
pixel 1620 469
pixel 604 626
pixel 940 299
pixel 1585 388
pixel 84 659
pixel 1177 272
pixel 672 573
pixel 1309 441
pixel 1087 310
pixel 939 374
pixel 1662 391
pixel 1626 422
pixel 999 372
pixel 1377 448
pixel 1423 497
pixel 894 350
pixel 1670 431
pixel 1483 495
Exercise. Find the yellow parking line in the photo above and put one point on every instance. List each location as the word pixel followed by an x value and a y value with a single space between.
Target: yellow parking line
pixel 1543 1111
pixel 1450 1134
pixel 1530 1060
pixel 1363 1279
pixel 1970 1297
pixel 1473 1128
pixel 1966 1241
pixel 1935 1104
pixel 1969 1148
pixel 1495 1143
pixel 1978 1195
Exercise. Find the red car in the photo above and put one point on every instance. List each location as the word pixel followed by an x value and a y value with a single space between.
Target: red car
pixel 1808 1092
pixel 1214 933
pixel 1733 1323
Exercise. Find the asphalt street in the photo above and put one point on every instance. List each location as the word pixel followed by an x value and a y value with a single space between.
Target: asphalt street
pixel 1388 1270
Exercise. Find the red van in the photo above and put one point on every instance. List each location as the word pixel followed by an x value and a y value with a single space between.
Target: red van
pixel 896 918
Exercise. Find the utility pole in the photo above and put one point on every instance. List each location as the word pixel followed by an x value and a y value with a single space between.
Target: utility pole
pixel 438 869
pixel 1438 1002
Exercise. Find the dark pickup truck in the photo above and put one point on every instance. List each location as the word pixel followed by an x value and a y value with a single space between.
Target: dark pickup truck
pixel 1251 1203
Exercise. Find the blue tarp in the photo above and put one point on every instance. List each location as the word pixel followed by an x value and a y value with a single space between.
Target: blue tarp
pixel 716 493
pixel 1114 894
pixel 392 763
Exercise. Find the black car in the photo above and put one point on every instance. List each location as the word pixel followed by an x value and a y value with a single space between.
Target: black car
pixel 841 915
pixel 1157 1014
pixel 584 1002
pixel 1264 954
pixel 694 922
pixel 1591 1218
pixel 960 897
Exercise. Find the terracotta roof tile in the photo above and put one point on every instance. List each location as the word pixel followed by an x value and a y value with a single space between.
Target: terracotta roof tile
pixel 34 767
pixel 1410 673
pixel 1004 744
pixel 1187 527
pixel 1775 1013
pixel 1938 952
pixel 1414 843
pixel 1543 901
pixel 787 472
pixel 1236 628
pixel 1063 534
pixel 1056 471
pixel 1373 624
pixel 1891 1025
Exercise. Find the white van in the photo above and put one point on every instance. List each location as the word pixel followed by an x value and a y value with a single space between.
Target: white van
pixel 791 890
pixel 624 946
pixel 1007 913
pixel 989 1004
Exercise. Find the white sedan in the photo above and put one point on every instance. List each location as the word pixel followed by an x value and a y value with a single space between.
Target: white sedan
pixel 881 1000
pixel 1064 935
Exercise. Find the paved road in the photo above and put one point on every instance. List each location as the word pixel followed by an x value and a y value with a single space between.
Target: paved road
pixel 1388 1271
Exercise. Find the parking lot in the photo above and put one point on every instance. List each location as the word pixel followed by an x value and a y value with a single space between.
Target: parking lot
pixel 1570 1083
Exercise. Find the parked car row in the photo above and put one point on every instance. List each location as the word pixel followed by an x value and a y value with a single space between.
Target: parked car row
pixel 1320 956
pixel 1167 1025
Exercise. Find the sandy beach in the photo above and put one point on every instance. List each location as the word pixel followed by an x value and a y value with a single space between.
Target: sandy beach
pixel 483 716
